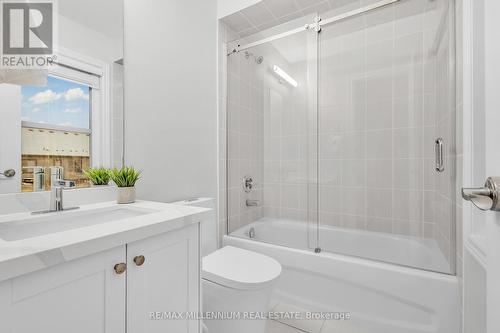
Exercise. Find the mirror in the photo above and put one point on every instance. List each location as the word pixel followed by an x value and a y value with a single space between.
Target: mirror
pixel 62 117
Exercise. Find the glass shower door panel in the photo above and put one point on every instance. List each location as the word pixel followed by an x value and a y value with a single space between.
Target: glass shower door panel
pixel 272 139
pixel 381 80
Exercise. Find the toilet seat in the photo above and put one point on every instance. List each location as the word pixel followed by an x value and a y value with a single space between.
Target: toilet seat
pixel 237 268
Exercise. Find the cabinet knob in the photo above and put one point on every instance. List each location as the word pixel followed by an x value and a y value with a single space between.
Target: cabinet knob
pixel 139 260
pixel 120 268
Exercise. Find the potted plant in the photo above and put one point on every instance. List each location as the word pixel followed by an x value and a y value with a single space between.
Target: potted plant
pixel 125 178
pixel 98 176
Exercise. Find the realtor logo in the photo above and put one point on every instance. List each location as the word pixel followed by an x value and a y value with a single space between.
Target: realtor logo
pixel 27 28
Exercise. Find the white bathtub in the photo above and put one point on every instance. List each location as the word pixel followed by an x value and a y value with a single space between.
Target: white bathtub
pixel 397 249
pixel 382 298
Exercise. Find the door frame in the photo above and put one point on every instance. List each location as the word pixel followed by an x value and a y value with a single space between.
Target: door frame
pixel 481 158
pixel 473 240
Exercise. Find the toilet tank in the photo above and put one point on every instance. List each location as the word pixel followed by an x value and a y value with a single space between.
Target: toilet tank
pixel 208 227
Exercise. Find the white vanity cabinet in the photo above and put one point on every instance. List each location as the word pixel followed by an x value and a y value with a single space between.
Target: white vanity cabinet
pixel 163 276
pixel 88 295
pixel 81 296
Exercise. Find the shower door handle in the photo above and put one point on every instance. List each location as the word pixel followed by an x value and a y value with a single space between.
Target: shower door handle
pixel 439 155
pixel 484 198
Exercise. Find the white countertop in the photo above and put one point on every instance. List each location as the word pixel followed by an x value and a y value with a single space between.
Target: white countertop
pixel 27 255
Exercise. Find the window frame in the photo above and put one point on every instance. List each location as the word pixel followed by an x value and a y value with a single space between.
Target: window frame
pixel 96 74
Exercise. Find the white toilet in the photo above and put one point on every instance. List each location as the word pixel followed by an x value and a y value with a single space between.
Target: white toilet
pixel 236 283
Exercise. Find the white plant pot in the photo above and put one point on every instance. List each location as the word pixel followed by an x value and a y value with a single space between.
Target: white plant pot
pixel 126 195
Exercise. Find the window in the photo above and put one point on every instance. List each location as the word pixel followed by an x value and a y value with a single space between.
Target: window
pixel 56 133
pixel 61 102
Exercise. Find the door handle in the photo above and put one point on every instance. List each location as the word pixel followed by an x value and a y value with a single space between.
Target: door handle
pixel 9 173
pixel 484 198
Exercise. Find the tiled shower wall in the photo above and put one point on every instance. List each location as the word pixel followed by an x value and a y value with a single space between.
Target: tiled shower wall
pixel 382 105
pixel 269 136
pixel 386 93
pixel 290 130
pixel 223 32
pixel 242 126
pixel 289 142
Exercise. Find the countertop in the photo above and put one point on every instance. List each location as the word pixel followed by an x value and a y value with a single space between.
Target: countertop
pixel 20 257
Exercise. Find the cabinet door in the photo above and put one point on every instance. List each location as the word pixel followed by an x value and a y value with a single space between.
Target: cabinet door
pixel 167 281
pixel 81 296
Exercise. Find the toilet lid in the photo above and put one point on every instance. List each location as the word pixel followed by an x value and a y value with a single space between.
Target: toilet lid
pixel 240 269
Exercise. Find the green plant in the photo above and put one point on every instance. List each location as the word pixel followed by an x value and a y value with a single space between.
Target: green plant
pixel 98 176
pixel 125 177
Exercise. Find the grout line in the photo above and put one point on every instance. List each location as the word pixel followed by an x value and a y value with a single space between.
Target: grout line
pixel 365 83
pixel 392 112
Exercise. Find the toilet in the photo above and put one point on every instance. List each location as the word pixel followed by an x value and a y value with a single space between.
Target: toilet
pixel 236 283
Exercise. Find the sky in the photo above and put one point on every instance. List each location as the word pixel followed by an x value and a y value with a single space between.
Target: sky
pixel 61 102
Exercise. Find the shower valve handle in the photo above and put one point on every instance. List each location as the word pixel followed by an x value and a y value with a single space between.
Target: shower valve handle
pixel 485 198
pixel 248 184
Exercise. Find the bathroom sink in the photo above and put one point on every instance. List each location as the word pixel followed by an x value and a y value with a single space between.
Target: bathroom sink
pixel 63 221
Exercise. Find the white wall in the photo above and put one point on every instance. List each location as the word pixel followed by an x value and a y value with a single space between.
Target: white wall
pixel 228 7
pixel 81 39
pixel 171 96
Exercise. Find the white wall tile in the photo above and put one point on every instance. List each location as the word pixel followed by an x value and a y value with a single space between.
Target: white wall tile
pixel 353 201
pixel 331 172
pixel 379 114
pixel 379 173
pixel 379 203
pixel 379 144
pixel 383 101
pixel 353 173
pixel 379 224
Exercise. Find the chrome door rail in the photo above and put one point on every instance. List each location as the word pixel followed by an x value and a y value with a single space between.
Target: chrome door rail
pixel 316 25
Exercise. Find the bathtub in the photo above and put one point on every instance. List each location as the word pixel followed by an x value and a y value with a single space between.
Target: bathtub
pixel 397 249
pixel 381 297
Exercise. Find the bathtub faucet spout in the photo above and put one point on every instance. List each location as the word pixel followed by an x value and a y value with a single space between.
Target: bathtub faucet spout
pixel 252 203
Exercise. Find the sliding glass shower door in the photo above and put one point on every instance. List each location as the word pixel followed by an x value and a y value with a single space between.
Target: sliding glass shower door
pixel 347 135
pixel 386 107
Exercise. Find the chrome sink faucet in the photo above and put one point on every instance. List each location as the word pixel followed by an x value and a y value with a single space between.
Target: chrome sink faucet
pixel 56 199
pixel 57 195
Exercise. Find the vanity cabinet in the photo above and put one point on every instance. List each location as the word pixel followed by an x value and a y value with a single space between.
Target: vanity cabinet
pixel 163 276
pixel 98 293
pixel 81 296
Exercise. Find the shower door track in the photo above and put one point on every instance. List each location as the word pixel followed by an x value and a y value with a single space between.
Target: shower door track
pixel 316 25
